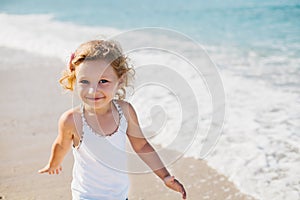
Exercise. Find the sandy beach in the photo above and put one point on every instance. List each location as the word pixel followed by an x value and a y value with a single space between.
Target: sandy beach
pixel 31 102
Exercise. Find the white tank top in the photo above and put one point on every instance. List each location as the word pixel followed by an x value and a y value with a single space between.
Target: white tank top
pixel 100 163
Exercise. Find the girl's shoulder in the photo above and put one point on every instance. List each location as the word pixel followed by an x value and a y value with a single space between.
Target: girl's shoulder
pixel 122 103
pixel 71 118
pixel 127 109
pixel 125 106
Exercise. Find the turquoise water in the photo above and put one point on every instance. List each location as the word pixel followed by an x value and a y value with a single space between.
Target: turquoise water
pixel 269 28
pixel 252 23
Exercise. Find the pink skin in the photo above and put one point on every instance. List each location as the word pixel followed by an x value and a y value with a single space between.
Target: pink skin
pixel 97 84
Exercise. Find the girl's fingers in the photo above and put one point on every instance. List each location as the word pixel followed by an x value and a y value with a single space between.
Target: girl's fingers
pixel 175 185
pixel 181 189
pixel 42 170
pixel 183 193
pixel 50 170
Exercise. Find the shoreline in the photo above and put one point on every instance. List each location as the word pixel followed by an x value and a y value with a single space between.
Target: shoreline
pixel 29 114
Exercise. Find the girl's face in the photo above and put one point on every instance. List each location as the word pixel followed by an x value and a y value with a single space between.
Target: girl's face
pixel 97 83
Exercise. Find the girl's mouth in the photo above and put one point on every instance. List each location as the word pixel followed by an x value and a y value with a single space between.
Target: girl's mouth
pixel 94 98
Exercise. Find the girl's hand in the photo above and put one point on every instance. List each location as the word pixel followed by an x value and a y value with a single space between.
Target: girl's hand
pixel 174 184
pixel 51 170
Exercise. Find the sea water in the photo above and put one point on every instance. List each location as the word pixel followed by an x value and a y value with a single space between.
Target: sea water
pixel 254 44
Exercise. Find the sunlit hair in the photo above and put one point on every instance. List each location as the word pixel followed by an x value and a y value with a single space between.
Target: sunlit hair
pixel 110 51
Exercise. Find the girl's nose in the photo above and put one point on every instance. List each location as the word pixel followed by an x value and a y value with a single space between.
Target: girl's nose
pixel 92 90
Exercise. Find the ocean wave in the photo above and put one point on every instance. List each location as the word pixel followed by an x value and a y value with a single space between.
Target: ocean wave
pixel 41 34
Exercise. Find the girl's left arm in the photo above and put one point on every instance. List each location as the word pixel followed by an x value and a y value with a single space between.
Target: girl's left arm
pixel 147 153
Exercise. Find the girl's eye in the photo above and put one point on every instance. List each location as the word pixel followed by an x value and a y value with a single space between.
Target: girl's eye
pixel 103 81
pixel 84 81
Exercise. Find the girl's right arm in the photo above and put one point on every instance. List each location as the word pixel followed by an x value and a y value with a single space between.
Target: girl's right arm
pixel 61 145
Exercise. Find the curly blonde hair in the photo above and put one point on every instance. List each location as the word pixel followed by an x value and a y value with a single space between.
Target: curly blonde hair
pixel 109 51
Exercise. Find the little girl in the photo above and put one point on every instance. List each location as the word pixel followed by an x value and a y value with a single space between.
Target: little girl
pixel 99 71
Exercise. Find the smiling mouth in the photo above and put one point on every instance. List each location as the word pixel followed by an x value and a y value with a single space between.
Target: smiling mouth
pixel 94 98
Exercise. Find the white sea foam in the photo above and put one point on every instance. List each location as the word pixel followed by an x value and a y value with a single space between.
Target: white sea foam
pixel 260 140
pixel 259 146
pixel 40 34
